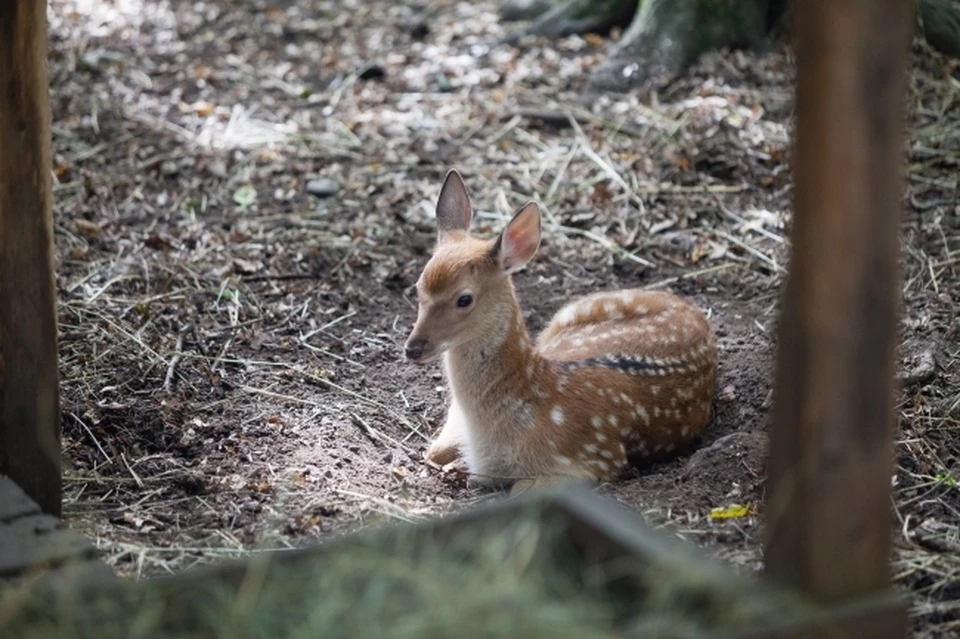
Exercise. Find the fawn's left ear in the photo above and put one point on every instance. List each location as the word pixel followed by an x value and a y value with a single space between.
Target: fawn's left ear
pixel 520 240
pixel 453 208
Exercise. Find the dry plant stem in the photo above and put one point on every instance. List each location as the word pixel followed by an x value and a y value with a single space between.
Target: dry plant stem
pixel 175 359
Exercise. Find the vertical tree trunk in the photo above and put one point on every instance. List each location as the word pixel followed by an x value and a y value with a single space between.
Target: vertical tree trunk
pixel 29 405
pixel 828 518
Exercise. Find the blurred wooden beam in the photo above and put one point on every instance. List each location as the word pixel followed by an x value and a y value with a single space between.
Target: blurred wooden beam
pixel 29 404
pixel 828 512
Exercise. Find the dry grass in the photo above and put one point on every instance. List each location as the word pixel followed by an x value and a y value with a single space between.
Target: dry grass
pixel 522 579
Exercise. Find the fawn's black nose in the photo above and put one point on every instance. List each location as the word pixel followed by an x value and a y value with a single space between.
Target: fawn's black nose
pixel 414 349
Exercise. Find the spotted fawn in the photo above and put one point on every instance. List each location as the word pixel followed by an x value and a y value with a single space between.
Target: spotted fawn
pixel 615 378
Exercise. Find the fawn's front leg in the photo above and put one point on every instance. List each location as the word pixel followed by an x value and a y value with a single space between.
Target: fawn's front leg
pixel 446 447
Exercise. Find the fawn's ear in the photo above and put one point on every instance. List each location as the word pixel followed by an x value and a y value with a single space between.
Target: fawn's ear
pixel 520 240
pixel 453 207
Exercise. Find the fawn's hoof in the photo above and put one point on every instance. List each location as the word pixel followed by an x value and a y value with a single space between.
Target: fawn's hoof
pixel 442 454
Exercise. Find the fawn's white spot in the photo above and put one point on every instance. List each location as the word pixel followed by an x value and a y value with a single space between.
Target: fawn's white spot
pixel 566 316
pixel 627 297
pixel 685 431
pixel 560 459
pixel 557 415
pixel 611 311
pixel 590 448
pixel 601 437
pixel 656 411
pixel 655 389
pixel 643 414
pixel 524 413
pixel 626 399
pixel 613 420
pixel 596 421
pixel 606 453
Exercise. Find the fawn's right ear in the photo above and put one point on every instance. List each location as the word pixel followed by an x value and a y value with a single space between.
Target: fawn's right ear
pixel 518 242
pixel 453 208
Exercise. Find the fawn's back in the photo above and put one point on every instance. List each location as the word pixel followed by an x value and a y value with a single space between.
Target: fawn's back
pixel 615 376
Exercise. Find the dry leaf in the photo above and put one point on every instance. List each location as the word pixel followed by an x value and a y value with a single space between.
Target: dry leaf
pixel 156 242
pixel 733 511
pixel 594 40
pixel 88 228
pixel 246 266
pixel 203 109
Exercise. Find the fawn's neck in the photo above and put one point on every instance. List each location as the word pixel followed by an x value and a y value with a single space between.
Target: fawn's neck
pixel 486 372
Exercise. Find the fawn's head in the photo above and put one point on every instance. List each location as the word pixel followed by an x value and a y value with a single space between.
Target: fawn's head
pixel 465 288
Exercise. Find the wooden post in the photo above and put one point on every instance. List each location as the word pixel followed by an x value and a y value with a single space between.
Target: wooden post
pixel 828 513
pixel 29 404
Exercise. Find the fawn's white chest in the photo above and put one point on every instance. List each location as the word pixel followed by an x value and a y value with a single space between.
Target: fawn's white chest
pixel 493 425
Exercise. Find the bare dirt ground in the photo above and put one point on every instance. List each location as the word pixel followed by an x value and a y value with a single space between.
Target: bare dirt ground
pixel 232 367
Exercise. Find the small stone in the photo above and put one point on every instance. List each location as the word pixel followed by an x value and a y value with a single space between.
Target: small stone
pixel 322 187
pixel 372 72
pixel 922 370
pixel 420 31
pixel 217 169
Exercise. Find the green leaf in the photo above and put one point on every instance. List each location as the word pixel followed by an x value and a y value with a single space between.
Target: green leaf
pixel 245 196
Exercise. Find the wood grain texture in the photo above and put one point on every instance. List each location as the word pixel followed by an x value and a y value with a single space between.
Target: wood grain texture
pixel 828 501
pixel 29 404
pixel 39 556
pixel 14 502
pixel 31 540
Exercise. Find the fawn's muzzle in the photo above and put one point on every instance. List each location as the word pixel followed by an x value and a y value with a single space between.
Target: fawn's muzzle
pixel 414 349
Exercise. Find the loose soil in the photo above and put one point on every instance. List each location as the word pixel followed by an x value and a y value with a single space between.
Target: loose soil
pixel 231 345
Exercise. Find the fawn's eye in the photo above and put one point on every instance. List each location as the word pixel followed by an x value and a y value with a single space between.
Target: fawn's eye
pixel 464 301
